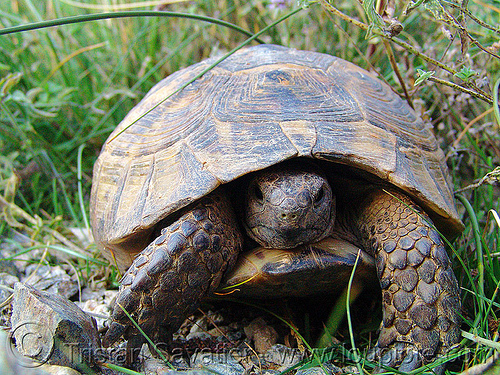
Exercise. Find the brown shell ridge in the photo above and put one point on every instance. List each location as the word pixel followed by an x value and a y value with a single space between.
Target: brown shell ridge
pixel 259 107
pixel 172 123
pixel 95 211
pixel 192 181
pixel 205 167
pixel 274 54
pixel 111 206
pixel 221 161
pixel 289 94
pixel 143 196
pixel 414 140
pixel 372 91
pixel 302 135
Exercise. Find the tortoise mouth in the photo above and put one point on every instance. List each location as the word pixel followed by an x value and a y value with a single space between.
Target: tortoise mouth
pixel 285 237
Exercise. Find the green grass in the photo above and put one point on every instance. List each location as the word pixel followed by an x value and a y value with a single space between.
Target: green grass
pixel 63 89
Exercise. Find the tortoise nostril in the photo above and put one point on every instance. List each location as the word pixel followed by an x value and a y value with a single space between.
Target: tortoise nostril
pixel 320 195
pixel 283 215
pixel 258 193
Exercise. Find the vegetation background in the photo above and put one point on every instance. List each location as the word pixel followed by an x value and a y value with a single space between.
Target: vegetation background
pixel 63 89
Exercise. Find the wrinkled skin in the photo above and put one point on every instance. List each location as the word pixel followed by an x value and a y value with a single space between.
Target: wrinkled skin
pixel 285 208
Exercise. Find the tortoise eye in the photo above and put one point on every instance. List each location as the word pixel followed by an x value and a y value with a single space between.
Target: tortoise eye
pixel 320 195
pixel 257 192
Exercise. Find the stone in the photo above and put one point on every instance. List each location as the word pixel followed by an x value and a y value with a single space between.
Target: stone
pixel 7 282
pixel 350 370
pixel 13 363
pixel 98 303
pixel 52 279
pixel 50 329
pixel 219 363
pixel 59 370
pixel 283 355
pixel 320 370
pixel 263 335
pixel 9 267
pixel 198 336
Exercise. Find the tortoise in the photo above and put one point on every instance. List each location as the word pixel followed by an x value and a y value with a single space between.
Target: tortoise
pixel 287 151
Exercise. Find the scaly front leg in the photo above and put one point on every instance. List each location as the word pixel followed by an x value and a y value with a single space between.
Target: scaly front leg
pixel 169 277
pixel 420 294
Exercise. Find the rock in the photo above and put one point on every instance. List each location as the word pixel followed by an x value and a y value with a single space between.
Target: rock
pixel 179 362
pixel 51 329
pixel 220 363
pixel 83 235
pixel 13 363
pixel 59 370
pixel 52 279
pixel 283 356
pixel 201 325
pixel 7 282
pixel 9 267
pixel 155 366
pixel 151 365
pixel 318 370
pixel 207 326
pixel 220 331
pixel 198 336
pixel 263 335
pixel 350 370
pixel 98 303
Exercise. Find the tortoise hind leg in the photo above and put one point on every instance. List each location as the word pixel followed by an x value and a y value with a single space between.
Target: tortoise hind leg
pixel 420 293
pixel 168 278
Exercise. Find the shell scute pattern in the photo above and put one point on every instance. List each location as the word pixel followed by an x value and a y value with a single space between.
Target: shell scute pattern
pixel 272 54
pixel 393 115
pixel 308 94
pixel 309 104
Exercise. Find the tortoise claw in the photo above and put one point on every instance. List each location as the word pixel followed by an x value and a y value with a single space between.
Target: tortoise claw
pixel 411 361
pixel 115 331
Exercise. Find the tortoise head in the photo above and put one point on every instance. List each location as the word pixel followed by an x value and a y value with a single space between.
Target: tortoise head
pixel 289 206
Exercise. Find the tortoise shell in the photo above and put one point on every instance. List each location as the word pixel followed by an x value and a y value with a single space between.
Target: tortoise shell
pixel 257 108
